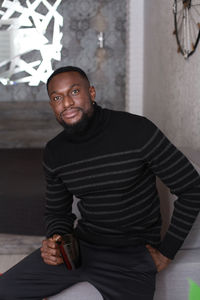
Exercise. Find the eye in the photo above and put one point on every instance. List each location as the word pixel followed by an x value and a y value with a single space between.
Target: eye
pixel 75 92
pixel 57 98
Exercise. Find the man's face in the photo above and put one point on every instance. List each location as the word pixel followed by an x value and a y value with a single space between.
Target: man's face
pixel 71 98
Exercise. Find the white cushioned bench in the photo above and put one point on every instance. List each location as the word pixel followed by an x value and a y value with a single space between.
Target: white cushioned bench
pixel 80 291
pixel 173 283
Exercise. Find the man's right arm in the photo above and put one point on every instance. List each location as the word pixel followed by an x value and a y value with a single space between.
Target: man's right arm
pixel 59 218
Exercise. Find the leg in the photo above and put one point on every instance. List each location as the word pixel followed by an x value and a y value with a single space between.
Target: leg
pixel 120 273
pixel 33 279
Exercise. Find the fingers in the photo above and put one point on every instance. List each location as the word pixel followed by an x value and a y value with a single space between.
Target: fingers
pixel 52 260
pixel 159 259
pixel 151 249
pixel 50 251
pixel 57 238
pixel 152 252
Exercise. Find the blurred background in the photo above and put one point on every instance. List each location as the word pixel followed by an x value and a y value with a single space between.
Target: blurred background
pixel 36 37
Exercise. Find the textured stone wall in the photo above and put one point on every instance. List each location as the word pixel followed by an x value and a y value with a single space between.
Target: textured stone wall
pixel 27 124
pixel 25 117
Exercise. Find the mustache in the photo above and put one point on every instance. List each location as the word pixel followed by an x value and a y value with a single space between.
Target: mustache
pixel 70 108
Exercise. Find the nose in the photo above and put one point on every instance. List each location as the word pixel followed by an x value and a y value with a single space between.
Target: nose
pixel 67 101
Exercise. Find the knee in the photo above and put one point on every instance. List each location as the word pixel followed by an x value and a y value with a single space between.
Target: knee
pixel 3 294
pixel 6 291
pixel 6 294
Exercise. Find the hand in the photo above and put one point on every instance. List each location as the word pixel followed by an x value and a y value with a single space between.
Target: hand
pixel 50 251
pixel 159 259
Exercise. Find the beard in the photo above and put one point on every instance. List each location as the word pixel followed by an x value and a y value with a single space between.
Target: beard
pixel 79 127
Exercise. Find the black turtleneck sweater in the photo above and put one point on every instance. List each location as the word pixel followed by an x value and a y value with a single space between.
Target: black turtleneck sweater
pixel 112 169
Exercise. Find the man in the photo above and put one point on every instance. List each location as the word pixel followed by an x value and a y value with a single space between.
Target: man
pixel 109 160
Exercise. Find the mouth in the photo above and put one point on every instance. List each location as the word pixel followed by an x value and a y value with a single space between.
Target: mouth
pixel 70 113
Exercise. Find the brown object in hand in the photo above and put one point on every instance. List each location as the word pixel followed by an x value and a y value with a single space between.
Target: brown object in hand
pixel 69 249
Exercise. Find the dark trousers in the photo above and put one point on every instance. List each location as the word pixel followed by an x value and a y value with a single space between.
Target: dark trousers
pixel 118 273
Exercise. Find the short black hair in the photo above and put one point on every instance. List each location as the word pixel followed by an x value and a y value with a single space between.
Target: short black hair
pixel 67 69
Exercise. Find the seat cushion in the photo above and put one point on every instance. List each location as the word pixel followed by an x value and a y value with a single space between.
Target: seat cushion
pixel 174 281
pixel 80 291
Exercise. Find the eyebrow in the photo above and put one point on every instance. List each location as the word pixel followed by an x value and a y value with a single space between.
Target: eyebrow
pixel 73 85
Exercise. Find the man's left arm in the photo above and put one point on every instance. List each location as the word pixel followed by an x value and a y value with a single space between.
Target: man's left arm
pixel 175 170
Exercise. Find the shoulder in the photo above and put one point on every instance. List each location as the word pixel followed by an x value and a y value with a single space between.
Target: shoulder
pixel 132 130
pixel 129 117
pixel 58 139
pixel 133 123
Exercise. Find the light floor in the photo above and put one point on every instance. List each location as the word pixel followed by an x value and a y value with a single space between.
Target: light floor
pixel 8 261
pixel 14 248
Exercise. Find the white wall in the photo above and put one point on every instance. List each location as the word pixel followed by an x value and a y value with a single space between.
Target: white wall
pixel 171 85
pixel 135 61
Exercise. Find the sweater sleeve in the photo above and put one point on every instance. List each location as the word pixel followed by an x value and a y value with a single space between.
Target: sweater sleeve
pixel 59 218
pixel 175 170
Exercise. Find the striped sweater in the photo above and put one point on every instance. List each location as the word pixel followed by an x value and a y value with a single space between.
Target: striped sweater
pixel 112 169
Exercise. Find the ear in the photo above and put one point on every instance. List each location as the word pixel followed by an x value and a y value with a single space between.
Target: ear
pixel 92 93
